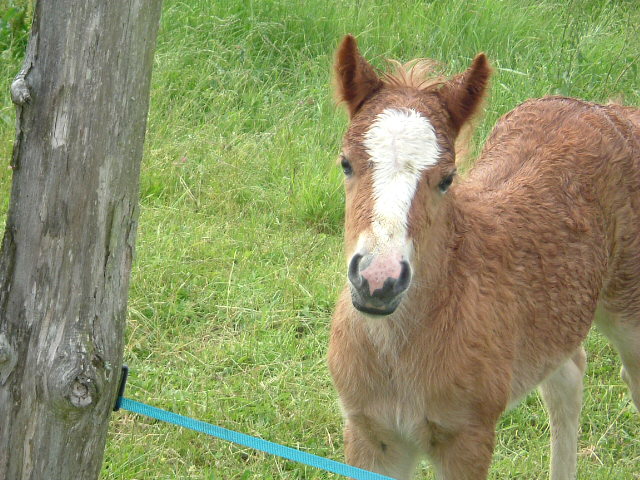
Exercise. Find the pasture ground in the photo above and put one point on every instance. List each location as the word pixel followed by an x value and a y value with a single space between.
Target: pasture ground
pixel 239 254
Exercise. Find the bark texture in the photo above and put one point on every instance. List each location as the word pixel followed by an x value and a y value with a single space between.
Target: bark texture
pixel 82 101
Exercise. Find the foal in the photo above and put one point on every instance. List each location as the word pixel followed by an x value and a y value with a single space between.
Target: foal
pixel 464 296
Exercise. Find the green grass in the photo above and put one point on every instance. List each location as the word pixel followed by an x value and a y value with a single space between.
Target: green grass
pixel 239 253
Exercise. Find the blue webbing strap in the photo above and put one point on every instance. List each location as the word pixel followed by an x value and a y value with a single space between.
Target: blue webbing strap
pixel 249 441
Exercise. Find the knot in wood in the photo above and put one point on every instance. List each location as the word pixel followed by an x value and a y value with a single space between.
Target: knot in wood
pixel 20 91
pixel 81 392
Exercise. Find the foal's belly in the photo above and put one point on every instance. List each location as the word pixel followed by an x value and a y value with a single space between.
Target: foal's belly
pixel 529 374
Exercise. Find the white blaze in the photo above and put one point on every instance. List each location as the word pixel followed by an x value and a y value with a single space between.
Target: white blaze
pixel 401 144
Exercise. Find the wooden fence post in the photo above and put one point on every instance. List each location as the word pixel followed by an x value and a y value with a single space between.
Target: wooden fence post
pixel 82 99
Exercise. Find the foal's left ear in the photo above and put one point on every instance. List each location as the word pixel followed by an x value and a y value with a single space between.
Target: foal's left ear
pixel 463 94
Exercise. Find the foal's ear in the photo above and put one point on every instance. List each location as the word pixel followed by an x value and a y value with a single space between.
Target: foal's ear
pixel 355 78
pixel 464 93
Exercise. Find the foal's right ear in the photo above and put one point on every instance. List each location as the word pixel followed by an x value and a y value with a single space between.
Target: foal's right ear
pixel 355 78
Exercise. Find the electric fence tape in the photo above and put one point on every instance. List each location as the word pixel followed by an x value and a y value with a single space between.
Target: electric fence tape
pixel 241 438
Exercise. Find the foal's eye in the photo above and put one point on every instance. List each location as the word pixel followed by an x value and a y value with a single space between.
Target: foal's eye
pixel 446 182
pixel 346 166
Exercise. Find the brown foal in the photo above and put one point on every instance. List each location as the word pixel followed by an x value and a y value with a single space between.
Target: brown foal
pixel 463 295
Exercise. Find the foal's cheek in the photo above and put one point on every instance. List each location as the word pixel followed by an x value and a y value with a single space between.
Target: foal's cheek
pixel 350 221
pixel 358 208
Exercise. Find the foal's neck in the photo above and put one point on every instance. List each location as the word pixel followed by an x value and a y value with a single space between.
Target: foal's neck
pixel 449 250
pixel 437 246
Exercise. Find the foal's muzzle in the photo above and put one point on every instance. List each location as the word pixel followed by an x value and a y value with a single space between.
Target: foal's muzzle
pixel 377 283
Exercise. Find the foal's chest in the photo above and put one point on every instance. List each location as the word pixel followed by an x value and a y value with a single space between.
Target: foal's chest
pixel 405 402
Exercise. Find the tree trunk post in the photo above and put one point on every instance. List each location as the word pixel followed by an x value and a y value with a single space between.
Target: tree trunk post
pixel 82 99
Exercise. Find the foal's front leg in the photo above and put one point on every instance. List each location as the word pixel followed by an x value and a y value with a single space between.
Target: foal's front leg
pixel 465 455
pixel 372 448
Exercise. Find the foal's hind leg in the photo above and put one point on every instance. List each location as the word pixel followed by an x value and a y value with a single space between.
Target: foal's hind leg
pixel 624 333
pixel 562 395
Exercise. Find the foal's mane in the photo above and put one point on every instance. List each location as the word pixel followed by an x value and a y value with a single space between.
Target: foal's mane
pixel 420 73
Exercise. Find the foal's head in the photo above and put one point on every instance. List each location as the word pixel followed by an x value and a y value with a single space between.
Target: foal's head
pixel 399 161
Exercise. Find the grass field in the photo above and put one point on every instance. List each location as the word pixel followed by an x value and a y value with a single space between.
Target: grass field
pixel 239 253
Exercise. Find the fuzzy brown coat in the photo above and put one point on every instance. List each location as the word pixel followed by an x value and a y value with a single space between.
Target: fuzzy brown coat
pixel 508 270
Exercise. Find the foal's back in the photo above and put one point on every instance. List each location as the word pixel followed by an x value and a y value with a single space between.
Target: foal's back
pixel 563 176
pixel 573 167
pixel 565 136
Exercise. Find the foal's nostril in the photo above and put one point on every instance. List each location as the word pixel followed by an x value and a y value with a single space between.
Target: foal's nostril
pixel 354 271
pixel 404 279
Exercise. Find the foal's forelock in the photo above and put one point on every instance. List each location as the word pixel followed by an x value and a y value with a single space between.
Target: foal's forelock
pixel 401 144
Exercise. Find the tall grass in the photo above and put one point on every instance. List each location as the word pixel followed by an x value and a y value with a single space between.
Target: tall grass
pixel 239 253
